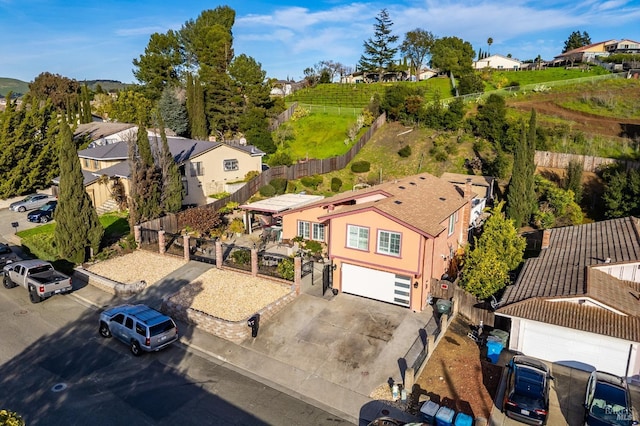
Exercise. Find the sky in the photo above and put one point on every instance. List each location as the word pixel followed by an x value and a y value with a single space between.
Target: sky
pixel 87 40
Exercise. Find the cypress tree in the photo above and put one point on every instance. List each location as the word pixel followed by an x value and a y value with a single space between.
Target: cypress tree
pixel 146 177
pixel 172 191
pixel 521 197
pixel 77 225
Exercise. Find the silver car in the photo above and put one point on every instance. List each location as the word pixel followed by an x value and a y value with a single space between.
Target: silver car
pixel 30 202
pixel 139 326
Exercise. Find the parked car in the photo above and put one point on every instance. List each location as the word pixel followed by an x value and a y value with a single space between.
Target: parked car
pixel 139 326
pixel 607 401
pixel 44 214
pixel 38 277
pixel 527 390
pixel 7 255
pixel 30 202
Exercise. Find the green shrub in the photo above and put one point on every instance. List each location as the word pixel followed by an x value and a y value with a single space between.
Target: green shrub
pixel 236 226
pixel 360 166
pixel 250 175
pixel 280 159
pixel 311 181
pixel 267 191
pixel 336 184
pixel 219 195
pixel 405 151
pixel 315 247
pixel 279 184
pixel 241 257
pixel 286 269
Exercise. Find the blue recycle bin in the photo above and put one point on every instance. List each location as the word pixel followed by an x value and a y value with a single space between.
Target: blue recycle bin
pixel 494 348
pixel 444 416
pixel 463 419
pixel 429 410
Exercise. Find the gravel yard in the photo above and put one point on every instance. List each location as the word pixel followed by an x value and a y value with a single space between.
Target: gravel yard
pixel 228 295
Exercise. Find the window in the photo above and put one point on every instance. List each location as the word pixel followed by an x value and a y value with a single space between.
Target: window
pixel 452 222
pixel 141 330
pixel 318 232
pixel 357 237
pixel 118 318
pixel 197 169
pixel 86 162
pixel 95 164
pixel 389 243
pixel 129 323
pixel 303 229
pixel 230 165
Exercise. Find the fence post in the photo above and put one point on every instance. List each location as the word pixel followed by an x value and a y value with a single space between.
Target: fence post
pixel 431 343
pixel 254 262
pixel 297 273
pixel 185 248
pixel 161 245
pixel 218 254
pixel 137 235
pixel 409 379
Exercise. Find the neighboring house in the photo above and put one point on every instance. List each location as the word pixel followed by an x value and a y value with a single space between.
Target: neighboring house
pixel 482 186
pixel 498 62
pixel 102 133
pixel 356 77
pixel 588 53
pixel 285 87
pixel 426 73
pixel 391 242
pixel 578 302
pixel 206 167
pixel 623 46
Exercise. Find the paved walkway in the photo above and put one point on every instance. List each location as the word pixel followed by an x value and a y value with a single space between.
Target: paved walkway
pixel 327 352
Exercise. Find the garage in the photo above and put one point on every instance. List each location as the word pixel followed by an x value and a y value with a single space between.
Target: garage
pixel 574 348
pixel 377 285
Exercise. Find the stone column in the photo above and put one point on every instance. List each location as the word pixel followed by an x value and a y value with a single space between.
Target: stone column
pixel 297 273
pixel 185 248
pixel 161 242
pixel 136 235
pixel 218 254
pixel 254 262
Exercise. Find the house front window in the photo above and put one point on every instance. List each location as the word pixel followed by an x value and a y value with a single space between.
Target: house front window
pixel 197 169
pixel 357 237
pixel 318 232
pixel 230 165
pixel 303 229
pixel 452 223
pixel 86 163
pixel 95 164
pixel 389 243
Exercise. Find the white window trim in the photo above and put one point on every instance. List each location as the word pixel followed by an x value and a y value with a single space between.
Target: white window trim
pixel 232 162
pixel 359 228
pixel 304 229
pixel 452 224
pixel 316 230
pixel 387 250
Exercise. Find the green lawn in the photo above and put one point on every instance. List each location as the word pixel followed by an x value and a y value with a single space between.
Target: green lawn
pixel 501 79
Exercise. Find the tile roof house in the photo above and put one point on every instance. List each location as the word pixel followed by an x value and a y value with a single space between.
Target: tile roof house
pixel 206 167
pixel 391 242
pixel 578 302
pixel 592 52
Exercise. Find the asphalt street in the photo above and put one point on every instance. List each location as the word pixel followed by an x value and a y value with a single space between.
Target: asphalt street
pixel 55 369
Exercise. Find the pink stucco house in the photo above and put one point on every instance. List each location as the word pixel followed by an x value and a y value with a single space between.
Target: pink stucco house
pixel 390 242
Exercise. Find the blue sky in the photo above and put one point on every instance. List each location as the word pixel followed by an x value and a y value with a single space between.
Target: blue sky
pixel 98 40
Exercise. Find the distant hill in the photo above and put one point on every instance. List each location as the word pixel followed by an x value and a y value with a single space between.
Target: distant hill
pixel 19 87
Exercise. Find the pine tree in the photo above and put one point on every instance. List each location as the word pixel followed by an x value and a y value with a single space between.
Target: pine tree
pixel 172 190
pixel 77 225
pixel 379 52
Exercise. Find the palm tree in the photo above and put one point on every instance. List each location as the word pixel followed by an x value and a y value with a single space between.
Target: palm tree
pixel 489 42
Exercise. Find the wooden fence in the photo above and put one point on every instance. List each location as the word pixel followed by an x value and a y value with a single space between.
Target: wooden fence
pixel 283 117
pixel 471 308
pixel 561 160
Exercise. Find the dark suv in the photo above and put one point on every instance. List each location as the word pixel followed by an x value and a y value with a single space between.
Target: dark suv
pixel 139 326
pixel 526 396
pixel 7 255
pixel 607 401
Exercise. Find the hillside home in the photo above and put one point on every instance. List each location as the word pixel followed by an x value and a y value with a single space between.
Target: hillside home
pixel 498 62
pixel 391 242
pixel 588 53
pixel 206 167
pixel 623 46
pixel 100 132
pixel 578 302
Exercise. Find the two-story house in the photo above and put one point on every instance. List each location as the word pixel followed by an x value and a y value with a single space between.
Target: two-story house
pixel 391 242
pixel 206 167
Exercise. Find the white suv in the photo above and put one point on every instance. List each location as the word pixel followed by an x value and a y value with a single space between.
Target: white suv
pixel 139 326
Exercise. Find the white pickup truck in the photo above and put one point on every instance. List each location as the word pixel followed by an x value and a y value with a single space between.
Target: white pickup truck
pixel 38 277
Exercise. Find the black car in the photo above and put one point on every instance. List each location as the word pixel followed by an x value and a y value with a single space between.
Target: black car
pixel 607 401
pixel 527 392
pixel 7 255
pixel 44 214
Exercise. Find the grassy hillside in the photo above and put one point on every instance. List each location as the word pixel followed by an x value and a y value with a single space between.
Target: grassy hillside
pixel 500 79
pixel 17 87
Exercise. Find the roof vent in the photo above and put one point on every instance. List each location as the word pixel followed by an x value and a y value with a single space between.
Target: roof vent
pixel 398 202
pixel 423 178
pixel 401 187
pixel 412 183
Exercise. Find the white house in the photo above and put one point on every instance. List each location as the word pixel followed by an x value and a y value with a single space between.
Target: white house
pixel 498 62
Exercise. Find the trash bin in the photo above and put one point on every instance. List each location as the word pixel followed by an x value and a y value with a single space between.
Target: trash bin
pixel 463 419
pixel 443 306
pixel 494 348
pixel 428 411
pixel 502 335
pixel 444 416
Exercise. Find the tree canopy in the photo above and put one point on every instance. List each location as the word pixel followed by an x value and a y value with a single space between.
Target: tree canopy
pixel 416 46
pixel 452 55
pixel 576 40
pixel 379 51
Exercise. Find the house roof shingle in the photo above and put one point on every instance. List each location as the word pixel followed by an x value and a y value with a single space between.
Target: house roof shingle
pixel 421 201
pixel 98 129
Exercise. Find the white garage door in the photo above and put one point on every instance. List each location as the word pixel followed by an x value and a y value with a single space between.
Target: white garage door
pixel 374 284
pixel 575 348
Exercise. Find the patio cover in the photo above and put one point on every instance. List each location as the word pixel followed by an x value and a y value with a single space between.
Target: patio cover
pixel 281 203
